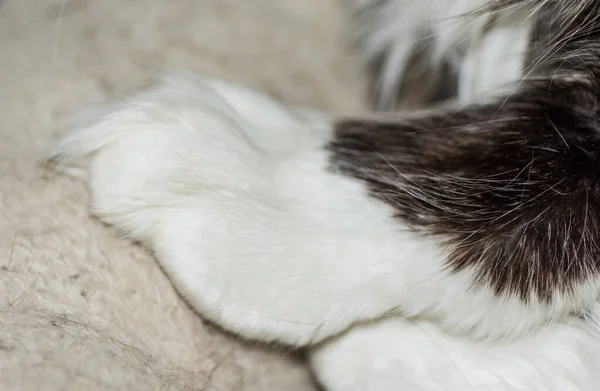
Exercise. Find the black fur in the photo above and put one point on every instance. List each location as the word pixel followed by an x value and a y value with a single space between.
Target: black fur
pixel 512 187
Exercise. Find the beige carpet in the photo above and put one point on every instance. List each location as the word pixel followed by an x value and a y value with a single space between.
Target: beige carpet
pixel 81 309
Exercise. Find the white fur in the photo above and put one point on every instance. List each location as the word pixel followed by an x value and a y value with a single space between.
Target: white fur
pixel 397 354
pixel 233 193
pixel 494 59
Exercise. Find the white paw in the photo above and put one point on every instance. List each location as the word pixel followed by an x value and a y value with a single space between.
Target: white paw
pixel 232 193
pixel 398 354
pixel 235 196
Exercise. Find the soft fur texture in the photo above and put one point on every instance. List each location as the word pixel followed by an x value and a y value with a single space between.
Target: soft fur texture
pixel 379 243
pixel 286 225
pixel 82 309
pixel 223 184
pixel 507 179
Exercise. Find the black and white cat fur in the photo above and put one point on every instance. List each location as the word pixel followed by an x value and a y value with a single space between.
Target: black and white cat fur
pixel 455 248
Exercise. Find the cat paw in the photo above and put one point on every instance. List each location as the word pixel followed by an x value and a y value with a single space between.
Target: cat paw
pixel 232 193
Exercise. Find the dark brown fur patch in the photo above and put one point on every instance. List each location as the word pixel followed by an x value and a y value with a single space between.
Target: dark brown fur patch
pixel 511 187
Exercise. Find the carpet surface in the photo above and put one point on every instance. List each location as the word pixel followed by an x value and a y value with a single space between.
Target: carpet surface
pixel 80 308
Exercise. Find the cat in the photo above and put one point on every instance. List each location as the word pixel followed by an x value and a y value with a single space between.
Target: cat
pixel 452 245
